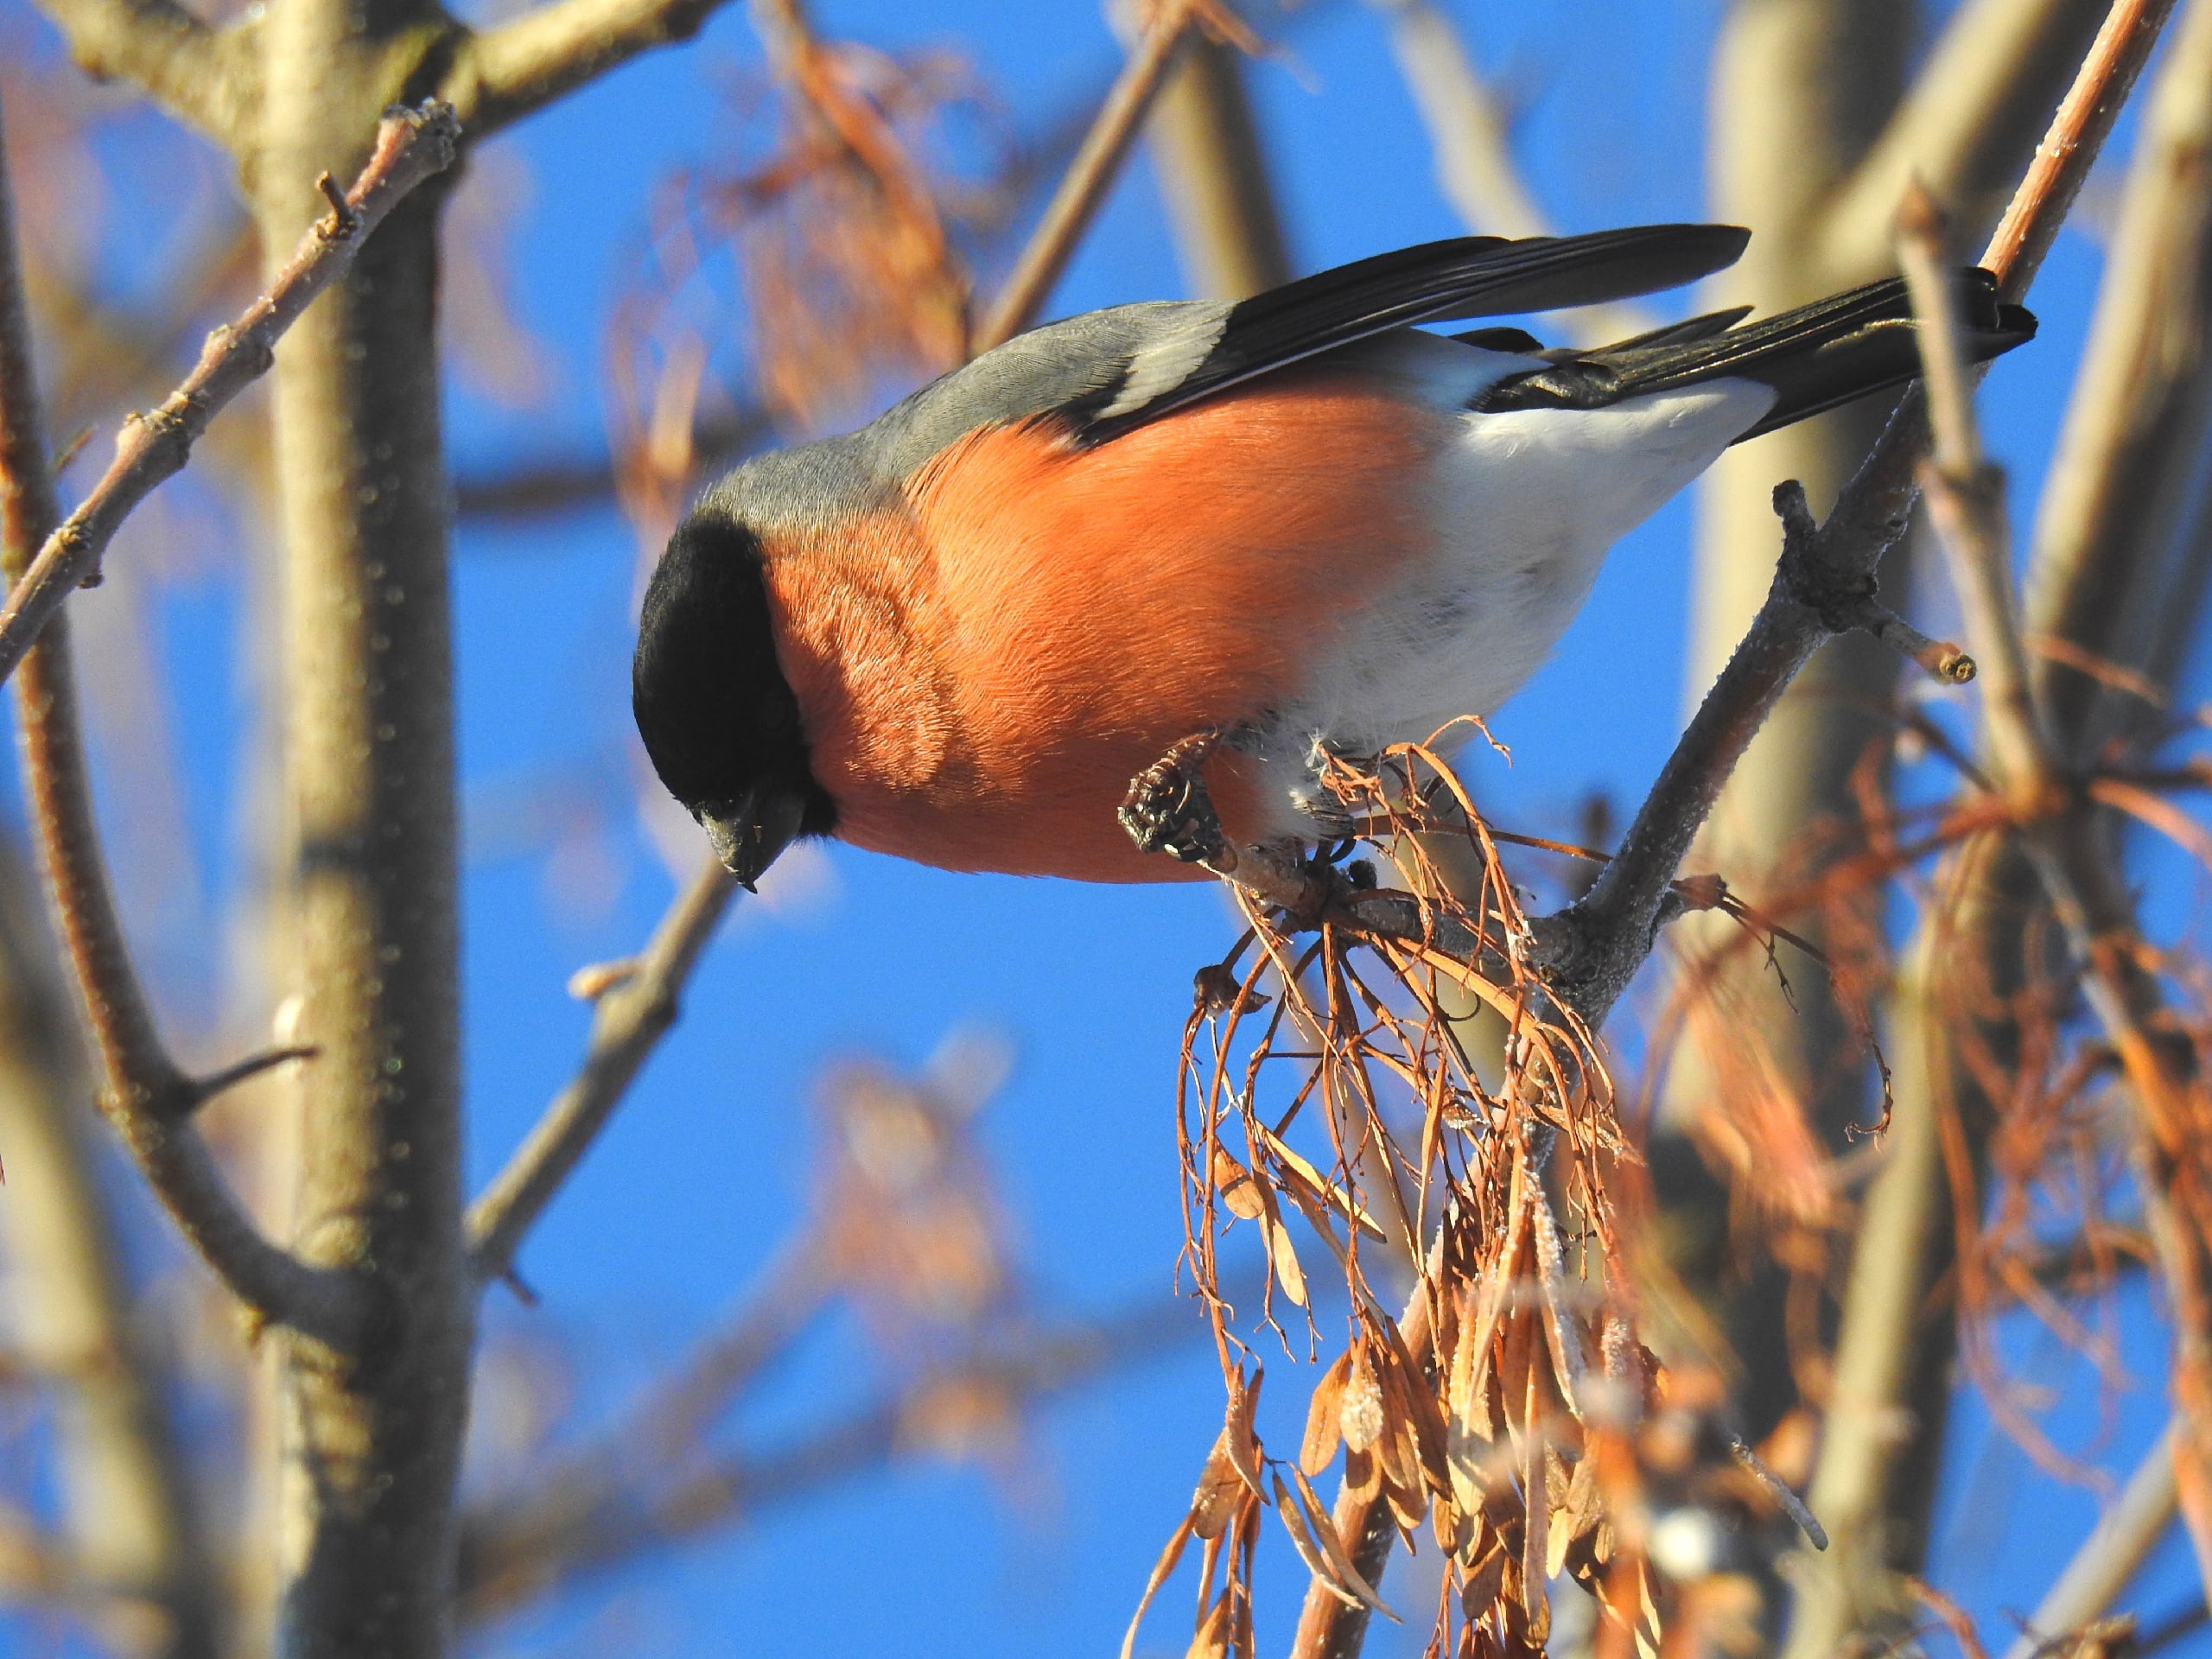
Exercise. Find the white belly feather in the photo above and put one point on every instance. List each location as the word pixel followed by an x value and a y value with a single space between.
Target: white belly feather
pixel 1526 506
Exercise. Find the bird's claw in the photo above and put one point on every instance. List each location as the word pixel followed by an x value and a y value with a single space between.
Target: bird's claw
pixel 1168 810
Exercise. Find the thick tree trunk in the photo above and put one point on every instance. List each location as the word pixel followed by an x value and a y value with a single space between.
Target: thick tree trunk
pixel 373 1439
pixel 1800 90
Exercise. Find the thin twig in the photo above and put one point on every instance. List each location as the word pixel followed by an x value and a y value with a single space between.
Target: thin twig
pixel 1600 942
pixel 1213 171
pixel 630 1015
pixel 2110 571
pixel 148 1097
pixel 2073 863
pixel 1963 129
pixel 2108 1558
pixel 1089 175
pixel 1467 135
pixel 511 1551
pixel 411 146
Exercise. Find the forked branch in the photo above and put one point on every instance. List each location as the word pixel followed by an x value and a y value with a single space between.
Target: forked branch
pixel 411 146
pixel 148 1097
pixel 1603 939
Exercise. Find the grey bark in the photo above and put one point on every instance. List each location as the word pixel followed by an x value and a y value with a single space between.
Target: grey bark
pixel 372 1440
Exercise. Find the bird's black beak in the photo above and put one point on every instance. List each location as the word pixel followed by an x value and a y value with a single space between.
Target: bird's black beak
pixel 748 833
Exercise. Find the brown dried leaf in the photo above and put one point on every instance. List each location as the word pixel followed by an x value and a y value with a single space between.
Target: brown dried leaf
pixel 1411 1397
pixel 1579 1516
pixel 1162 1571
pixel 1455 1528
pixel 1319 1188
pixel 1360 1413
pixel 1210 1641
pixel 1289 1274
pixel 1362 1478
pixel 1237 1441
pixel 1301 1538
pixel 1308 1515
pixel 1409 1504
pixel 1535 1537
pixel 1239 1191
pixel 1479 1585
pixel 1221 1489
pixel 1557 1536
pixel 1323 1419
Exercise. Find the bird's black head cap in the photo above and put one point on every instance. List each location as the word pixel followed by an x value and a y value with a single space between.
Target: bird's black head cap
pixel 718 718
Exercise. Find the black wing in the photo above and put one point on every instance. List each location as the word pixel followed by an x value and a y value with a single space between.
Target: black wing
pixel 1469 277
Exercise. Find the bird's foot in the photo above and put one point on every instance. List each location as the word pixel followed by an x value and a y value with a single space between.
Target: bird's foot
pixel 1168 810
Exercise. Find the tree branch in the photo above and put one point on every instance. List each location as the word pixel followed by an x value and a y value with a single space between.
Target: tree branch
pixel 2073 861
pixel 410 147
pixel 520 67
pixel 1607 935
pixel 127 1501
pixel 2108 1558
pixel 545 486
pixel 1213 173
pixel 629 1017
pixel 207 78
pixel 148 1097
pixel 2118 518
pixel 1591 949
pixel 1474 159
pixel 1089 175
pixel 508 1555
pixel 1964 128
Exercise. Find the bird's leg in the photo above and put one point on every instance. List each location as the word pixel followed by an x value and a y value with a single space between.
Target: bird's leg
pixel 1168 810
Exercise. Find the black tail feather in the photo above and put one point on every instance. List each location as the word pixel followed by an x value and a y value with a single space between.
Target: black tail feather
pixel 1816 357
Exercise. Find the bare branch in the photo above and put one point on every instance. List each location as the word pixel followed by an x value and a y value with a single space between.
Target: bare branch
pixel 127 1501
pixel 1592 949
pixel 508 1555
pixel 1964 128
pixel 2117 526
pixel 1213 173
pixel 148 1098
pixel 2072 860
pixel 207 78
pixel 1607 935
pixel 1089 175
pixel 520 67
pixel 1474 159
pixel 411 146
pixel 658 1441
pixel 2109 1556
pixel 544 487
pixel 630 1017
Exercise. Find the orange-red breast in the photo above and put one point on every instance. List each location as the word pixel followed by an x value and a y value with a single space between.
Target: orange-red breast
pixel 1299 521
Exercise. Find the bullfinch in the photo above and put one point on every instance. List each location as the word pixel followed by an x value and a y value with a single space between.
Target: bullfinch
pixel 1298 522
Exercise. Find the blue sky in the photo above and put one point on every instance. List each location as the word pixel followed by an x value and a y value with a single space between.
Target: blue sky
pixel 707 1164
